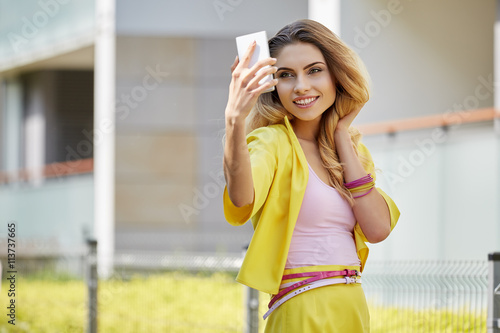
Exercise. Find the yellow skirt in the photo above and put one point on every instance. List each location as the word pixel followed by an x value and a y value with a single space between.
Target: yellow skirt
pixel 330 309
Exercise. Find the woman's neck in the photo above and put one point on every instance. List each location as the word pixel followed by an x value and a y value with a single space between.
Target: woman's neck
pixel 306 130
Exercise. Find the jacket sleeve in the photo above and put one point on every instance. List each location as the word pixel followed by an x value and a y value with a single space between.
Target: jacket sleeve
pixel 370 168
pixel 263 147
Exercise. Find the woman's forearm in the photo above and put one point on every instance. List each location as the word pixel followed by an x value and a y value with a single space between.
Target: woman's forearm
pixel 244 90
pixel 371 210
pixel 237 166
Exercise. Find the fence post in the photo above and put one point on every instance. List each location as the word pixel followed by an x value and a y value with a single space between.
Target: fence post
pixel 252 310
pixel 92 285
pixel 252 306
pixel 493 319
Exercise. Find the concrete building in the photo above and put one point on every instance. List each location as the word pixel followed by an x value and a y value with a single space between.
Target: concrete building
pixel 112 116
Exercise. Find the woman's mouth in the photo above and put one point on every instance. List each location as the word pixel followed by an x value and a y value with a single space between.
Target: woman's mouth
pixel 305 102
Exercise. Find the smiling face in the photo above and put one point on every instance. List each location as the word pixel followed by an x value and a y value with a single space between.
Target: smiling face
pixel 305 86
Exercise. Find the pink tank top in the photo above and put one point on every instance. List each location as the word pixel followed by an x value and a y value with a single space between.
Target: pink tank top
pixel 323 234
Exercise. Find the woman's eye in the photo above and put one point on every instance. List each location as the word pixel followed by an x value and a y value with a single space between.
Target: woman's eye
pixel 315 70
pixel 285 75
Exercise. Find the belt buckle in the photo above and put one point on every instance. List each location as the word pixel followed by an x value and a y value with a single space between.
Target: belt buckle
pixel 349 280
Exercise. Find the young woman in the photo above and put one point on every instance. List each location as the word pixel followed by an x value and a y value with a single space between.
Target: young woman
pixel 295 166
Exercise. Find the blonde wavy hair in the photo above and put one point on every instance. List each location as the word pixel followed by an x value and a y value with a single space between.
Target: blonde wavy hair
pixel 352 91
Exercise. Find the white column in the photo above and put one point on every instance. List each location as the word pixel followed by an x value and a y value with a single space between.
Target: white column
pixel 34 135
pixel 104 135
pixel 326 12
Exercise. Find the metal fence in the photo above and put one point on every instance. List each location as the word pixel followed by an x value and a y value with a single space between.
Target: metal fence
pixel 197 293
pixel 194 292
pixel 404 296
pixel 195 262
pixel 428 296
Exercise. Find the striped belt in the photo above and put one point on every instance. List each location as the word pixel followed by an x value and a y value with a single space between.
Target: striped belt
pixel 315 280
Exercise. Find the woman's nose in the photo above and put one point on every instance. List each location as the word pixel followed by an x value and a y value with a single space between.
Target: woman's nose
pixel 302 85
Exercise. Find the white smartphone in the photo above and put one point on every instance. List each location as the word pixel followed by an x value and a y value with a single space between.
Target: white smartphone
pixel 261 51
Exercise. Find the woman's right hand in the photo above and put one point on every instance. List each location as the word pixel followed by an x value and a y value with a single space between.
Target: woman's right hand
pixel 244 88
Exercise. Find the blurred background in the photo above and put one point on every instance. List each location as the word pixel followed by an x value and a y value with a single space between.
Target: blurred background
pixel 111 125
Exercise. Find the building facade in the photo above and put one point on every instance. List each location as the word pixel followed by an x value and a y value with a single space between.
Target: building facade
pixel 112 119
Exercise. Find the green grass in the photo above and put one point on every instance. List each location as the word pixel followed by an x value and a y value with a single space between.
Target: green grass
pixel 176 303
pixel 169 302
pixel 45 306
pixel 386 319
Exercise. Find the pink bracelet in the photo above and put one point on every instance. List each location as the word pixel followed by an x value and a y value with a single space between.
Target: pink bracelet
pixel 358 182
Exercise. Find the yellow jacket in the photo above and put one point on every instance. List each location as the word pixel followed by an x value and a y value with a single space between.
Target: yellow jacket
pixel 280 174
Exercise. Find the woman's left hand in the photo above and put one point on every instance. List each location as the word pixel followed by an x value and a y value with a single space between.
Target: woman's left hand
pixel 345 122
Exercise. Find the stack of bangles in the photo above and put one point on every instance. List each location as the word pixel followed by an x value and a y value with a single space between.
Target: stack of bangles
pixel 364 184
